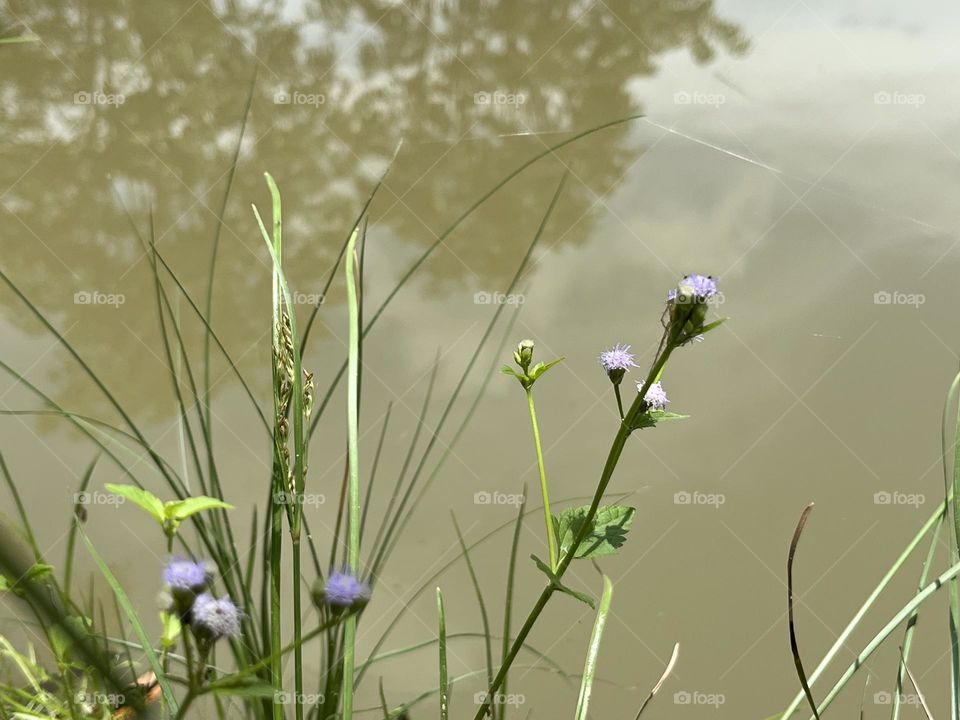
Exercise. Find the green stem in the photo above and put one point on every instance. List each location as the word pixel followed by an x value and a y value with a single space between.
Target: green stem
pixel 547 516
pixel 353 495
pixel 613 457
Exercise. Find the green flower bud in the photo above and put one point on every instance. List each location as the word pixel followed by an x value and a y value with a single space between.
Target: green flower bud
pixel 524 354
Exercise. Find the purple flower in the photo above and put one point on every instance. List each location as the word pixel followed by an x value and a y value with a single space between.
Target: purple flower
pixel 656 397
pixel 618 357
pixel 186 575
pixel 215 618
pixel 344 590
pixel 700 287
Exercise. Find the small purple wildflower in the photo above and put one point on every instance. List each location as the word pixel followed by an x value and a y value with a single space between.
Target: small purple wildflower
pixel 344 590
pixel 186 575
pixel 618 357
pixel 700 286
pixel 215 618
pixel 656 397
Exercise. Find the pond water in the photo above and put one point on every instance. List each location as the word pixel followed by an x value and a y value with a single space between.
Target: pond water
pixel 805 152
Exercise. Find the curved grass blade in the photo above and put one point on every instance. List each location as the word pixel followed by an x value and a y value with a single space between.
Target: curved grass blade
pixel 663 678
pixel 590 664
pixel 867 604
pixel 72 533
pixel 794 648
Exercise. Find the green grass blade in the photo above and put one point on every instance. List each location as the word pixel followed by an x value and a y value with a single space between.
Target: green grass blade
pixel 484 620
pixel 867 604
pixel 590 664
pixel 373 469
pixel 213 255
pixel 456 223
pixel 74 521
pixel 886 631
pixel 135 623
pixel 912 621
pixel 463 378
pixel 442 641
pixel 353 454
pixel 508 599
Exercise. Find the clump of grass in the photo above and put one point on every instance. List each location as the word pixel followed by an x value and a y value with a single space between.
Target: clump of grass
pixel 223 597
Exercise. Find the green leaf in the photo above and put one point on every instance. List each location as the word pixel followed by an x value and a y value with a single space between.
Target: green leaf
pixel 179 510
pixel 539 369
pixel 138 496
pixel 171 629
pixel 558 585
pixel 590 664
pixel 652 417
pixel 607 533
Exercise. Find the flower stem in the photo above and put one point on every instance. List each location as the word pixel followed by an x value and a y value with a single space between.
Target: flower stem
pixel 547 516
pixel 613 458
pixel 616 391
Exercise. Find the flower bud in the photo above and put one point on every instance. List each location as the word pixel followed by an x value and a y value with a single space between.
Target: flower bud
pixel 524 354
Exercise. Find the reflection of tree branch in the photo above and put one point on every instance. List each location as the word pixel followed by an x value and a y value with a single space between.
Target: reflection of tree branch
pixel 384 71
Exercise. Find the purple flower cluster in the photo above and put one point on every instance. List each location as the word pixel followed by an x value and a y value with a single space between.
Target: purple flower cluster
pixel 188 583
pixel 215 617
pixel 701 287
pixel 618 357
pixel 656 397
pixel 343 590
pixel 186 575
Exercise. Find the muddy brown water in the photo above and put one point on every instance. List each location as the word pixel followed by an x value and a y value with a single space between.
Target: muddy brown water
pixel 806 153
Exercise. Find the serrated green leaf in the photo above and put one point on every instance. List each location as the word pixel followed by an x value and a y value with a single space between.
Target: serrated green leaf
pixel 179 510
pixel 138 496
pixel 607 533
